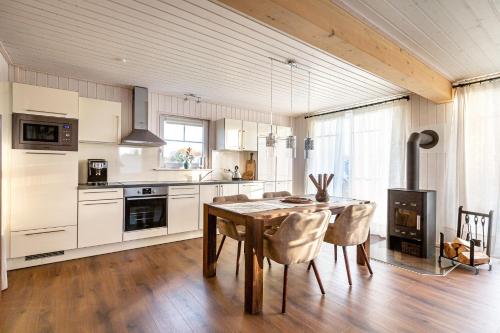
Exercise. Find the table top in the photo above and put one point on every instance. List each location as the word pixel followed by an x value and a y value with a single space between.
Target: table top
pixel 269 209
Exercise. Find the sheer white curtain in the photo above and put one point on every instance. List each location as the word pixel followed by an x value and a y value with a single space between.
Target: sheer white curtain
pixel 365 149
pixel 473 162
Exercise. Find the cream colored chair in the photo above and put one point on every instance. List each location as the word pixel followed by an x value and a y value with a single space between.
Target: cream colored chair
pixel 351 228
pixel 280 194
pixel 230 229
pixel 297 240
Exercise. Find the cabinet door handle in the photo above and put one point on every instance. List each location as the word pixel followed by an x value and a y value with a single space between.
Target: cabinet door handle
pixel 100 203
pixel 178 198
pixel 221 190
pixel 44 153
pixel 99 192
pixel 44 232
pixel 118 129
pixel 49 112
pixel 183 188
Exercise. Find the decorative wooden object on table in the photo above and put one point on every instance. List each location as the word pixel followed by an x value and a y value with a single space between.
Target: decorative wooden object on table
pixel 255 224
pixel 322 186
pixel 250 168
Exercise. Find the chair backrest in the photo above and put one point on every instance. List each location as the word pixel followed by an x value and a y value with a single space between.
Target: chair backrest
pixel 476 227
pixel 298 238
pixel 279 194
pixel 352 226
pixel 231 198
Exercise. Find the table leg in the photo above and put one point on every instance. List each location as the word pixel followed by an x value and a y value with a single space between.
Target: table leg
pixel 209 243
pixel 359 255
pixel 254 255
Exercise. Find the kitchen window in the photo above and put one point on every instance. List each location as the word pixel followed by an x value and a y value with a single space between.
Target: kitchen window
pixel 181 134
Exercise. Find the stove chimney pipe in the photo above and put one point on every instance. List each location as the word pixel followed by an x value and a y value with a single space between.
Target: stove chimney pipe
pixel 426 140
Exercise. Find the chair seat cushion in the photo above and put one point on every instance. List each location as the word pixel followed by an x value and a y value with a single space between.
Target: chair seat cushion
pixel 231 230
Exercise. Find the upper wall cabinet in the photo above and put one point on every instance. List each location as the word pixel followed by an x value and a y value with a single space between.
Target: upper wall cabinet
pixel 44 101
pixel 100 121
pixel 236 135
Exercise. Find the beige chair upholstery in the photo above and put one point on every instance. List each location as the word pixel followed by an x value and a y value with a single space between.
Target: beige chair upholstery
pixel 297 240
pixel 351 228
pixel 279 194
pixel 229 228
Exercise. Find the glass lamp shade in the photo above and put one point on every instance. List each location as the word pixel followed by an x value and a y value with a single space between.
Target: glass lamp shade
pixel 308 146
pixel 291 143
pixel 271 145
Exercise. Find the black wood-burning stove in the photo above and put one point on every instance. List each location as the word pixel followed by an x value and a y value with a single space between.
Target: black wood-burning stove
pixel 411 226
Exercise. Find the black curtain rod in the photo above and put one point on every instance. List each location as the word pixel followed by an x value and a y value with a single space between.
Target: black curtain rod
pixel 476 82
pixel 358 107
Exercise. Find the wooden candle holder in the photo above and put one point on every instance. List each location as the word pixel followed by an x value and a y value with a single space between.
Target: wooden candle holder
pixel 322 186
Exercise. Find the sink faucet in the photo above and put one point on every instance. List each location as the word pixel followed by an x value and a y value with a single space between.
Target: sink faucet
pixel 200 177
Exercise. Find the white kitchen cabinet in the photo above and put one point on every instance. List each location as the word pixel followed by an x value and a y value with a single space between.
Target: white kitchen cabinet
pixel 100 222
pixel 284 186
pixel 253 190
pixel 249 136
pixel 43 189
pixel 270 187
pixel 183 213
pixel 263 130
pixel 210 191
pixel 283 131
pixel 284 161
pixel 228 189
pixel 236 135
pixel 44 101
pixel 100 194
pixel 40 241
pixel 100 121
pixel 266 162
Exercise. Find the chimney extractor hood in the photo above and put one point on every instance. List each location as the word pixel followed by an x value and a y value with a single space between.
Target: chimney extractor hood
pixel 140 135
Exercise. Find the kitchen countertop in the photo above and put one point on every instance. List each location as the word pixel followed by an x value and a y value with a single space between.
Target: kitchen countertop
pixel 163 183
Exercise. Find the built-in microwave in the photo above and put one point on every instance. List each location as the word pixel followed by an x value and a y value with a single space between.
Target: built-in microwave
pixel 44 133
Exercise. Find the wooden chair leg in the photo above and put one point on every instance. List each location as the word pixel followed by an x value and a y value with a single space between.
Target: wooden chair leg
pixel 220 248
pixel 344 250
pixel 238 258
pixel 285 280
pixel 268 261
pixel 365 256
pixel 335 252
pixel 309 266
pixel 318 278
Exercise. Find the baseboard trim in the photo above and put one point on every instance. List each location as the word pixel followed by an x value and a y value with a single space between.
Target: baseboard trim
pixel 17 263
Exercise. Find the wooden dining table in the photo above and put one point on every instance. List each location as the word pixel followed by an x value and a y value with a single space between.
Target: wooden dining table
pixel 255 223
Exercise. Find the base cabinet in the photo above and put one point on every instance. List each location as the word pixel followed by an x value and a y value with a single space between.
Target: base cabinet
pixel 252 190
pixel 100 222
pixel 183 213
pixel 39 241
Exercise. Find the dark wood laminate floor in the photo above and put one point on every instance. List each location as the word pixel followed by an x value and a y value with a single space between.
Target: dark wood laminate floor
pixel 161 289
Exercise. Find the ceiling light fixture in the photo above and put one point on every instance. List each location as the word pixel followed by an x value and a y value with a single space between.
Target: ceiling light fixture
pixel 308 141
pixel 271 137
pixel 291 140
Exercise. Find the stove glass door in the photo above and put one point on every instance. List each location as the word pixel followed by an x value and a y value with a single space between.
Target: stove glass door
pixel 145 213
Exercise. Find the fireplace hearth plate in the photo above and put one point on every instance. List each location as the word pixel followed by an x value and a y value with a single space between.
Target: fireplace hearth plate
pixel 425 266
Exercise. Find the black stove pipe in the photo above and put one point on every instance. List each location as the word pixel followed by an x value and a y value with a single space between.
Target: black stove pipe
pixel 426 140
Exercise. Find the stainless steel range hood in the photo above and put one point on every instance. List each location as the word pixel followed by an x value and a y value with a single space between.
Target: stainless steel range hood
pixel 140 135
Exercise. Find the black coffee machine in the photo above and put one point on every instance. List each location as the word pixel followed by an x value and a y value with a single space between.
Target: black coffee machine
pixel 97 172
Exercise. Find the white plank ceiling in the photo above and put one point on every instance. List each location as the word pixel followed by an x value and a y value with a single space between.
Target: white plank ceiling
pixel 459 38
pixel 178 47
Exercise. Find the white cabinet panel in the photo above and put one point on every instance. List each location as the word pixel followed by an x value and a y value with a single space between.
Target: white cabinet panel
pixel 284 164
pixel 44 101
pixel 43 189
pixel 183 213
pixel 207 195
pixel 266 163
pixel 284 186
pixel 100 222
pixel 100 121
pixel 270 187
pixel 264 129
pixel 228 189
pixel 100 194
pixel 183 189
pixel 38 241
pixel 283 131
pixel 252 190
pixel 249 136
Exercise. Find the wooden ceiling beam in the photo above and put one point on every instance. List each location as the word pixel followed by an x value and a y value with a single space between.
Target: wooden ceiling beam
pixel 330 28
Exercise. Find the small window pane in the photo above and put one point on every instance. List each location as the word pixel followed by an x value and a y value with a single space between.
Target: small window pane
pixel 194 133
pixel 173 132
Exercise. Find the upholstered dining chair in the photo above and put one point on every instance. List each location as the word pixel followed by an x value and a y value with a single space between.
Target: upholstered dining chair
pixel 280 194
pixel 230 229
pixel 297 240
pixel 351 228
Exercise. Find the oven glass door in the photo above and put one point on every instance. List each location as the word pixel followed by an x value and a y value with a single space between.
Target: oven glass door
pixel 145 213
pixel 33 132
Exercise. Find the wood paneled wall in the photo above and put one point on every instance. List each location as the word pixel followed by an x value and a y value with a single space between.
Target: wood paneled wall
pixel 159 103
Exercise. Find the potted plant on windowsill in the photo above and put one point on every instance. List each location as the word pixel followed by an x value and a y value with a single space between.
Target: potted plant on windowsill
pixel 186 157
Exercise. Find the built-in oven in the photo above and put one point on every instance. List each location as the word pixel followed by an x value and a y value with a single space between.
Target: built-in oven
pixel 145 208
pixel 44 133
